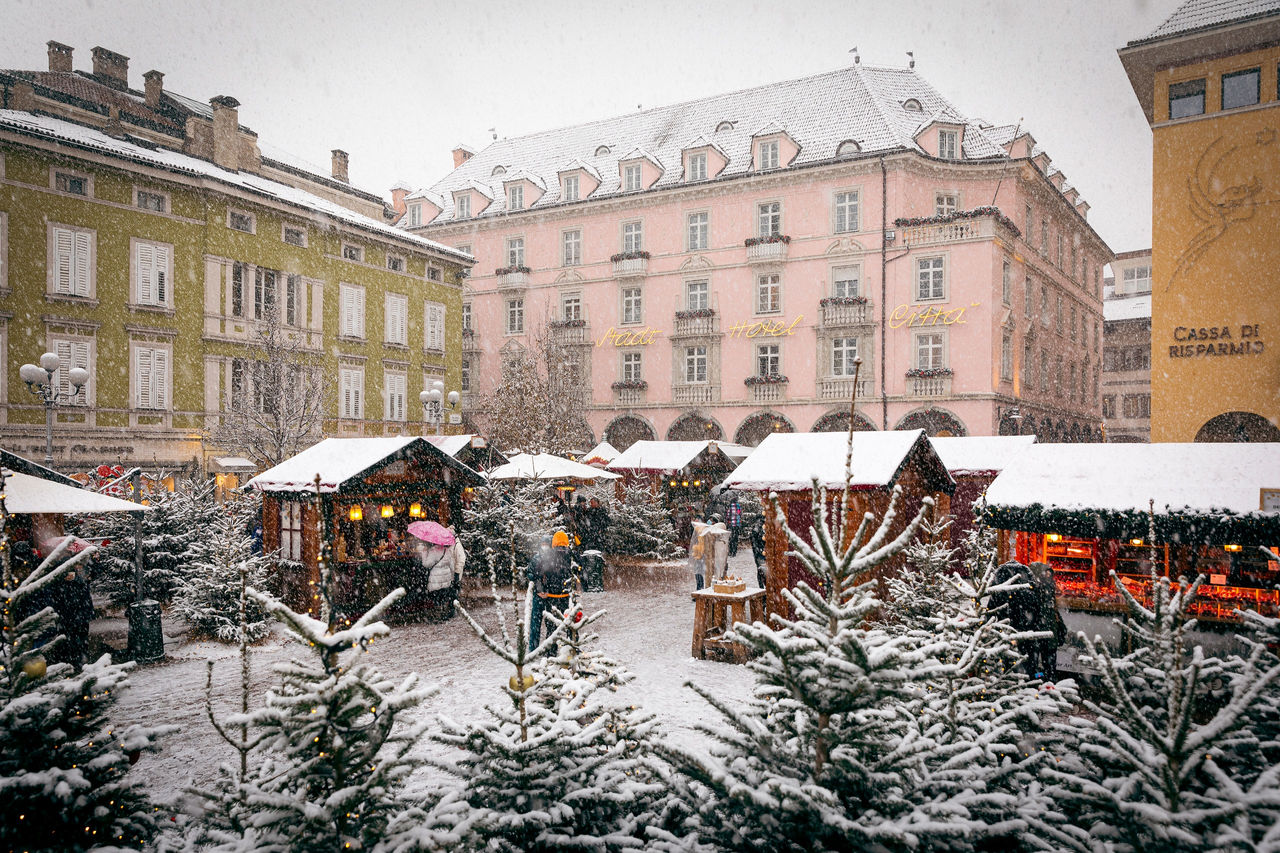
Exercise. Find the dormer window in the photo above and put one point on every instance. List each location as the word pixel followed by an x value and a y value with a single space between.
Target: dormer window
pixel 948 144
pixel 697 170
pixel 631 178
pixel 848 147
pixel 724 125
pixel 569 187
pixel 498 170
pixel 415 214
pixel 602 151
pixel 515 197
pixel 912 105
pixel 767 155
pixel 462 206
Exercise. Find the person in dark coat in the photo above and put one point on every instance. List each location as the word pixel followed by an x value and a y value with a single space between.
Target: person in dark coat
pixel 1027 610
pixel 72 601
pixel 553 579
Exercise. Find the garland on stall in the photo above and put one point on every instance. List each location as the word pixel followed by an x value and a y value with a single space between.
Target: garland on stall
pixel 771 238
pixel 955 216
pixel 1217 527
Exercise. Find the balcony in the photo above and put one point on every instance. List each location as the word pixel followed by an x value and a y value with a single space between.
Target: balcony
pixel 629 393
pixel 937 233
pixel 929 386
pixel 512 278
pixel 772 392
pixel 764 250
pixel 696 323
pixel 695 395
pixel 841 388
pixel 470 341
pixel 845 313
pixel 569 332
pixel 630 264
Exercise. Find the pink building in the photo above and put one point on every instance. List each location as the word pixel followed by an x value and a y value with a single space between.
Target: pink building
pixel 718 265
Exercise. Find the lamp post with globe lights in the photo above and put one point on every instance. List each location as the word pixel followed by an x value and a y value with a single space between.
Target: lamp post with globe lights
pixel 433 400
pixel 40 381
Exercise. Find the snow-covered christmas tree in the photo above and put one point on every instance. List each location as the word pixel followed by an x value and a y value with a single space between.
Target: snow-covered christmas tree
pixel 63 764
pixel 914 594
pixel 640 526
pixel 504 523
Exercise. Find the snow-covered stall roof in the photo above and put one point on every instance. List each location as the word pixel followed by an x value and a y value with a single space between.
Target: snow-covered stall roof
pixel 980 454
pixel 25 494
pixel 1205 493
pixel 671 455
pixel 546 466
pixel 339 460
pixel 788 462
pixel 22 465
pixel 602 454
pixel 450 444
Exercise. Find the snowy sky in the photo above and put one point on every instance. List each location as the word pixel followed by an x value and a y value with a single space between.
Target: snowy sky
pixel 399 84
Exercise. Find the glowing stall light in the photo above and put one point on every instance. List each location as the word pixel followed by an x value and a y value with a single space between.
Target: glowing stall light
pixel 355 513
pixel 388 510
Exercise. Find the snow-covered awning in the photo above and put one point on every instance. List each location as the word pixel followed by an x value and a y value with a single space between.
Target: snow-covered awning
pixel 545 466
pixel 980 454
pixel 231 465
pixel 667 456
pixel 788 462
pixel 1203 493
pixel 338 461
pixel 25 494
pixel 602 454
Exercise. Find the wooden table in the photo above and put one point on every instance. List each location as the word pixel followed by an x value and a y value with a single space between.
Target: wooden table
pixel 716 613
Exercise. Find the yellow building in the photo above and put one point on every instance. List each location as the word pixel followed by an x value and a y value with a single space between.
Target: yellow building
pixel 1207 81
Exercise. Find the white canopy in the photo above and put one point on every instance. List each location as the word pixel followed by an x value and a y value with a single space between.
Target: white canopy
pixel 790 461
pixel 336 460
pixel 25 494
pixel 980 454
pixel 604 453
pixel 545 466
pixel 668 456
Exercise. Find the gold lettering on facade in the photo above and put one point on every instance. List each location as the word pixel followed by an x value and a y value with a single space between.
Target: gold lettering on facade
pixel 765 328
pixel 929 315
pixel 629 337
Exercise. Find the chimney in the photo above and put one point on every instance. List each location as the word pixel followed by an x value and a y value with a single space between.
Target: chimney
pixel 226 132
pixel 112 67
pixel 461 154
pixel 59 57
pixel 338 165
pixel 154 87
pixel 397 199
pixel 113 127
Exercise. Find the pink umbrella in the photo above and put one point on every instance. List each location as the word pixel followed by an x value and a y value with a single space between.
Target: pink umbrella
pixel 430 531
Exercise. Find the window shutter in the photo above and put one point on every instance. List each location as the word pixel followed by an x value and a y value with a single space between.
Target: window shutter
pixel 63 259
pixel 358 392
pixel 66 354
pixel 346 394
pixel 143 377
pixel 162 273
pixel 348 311
pixel 160 378
pixel 81 284
pixel 359 303
pixel 146 263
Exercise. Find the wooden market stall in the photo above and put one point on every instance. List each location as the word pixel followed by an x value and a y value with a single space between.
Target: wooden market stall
pixel 683 472
pixel 974 462
pixel 786 463
pixel 1086 509
pixel 370 490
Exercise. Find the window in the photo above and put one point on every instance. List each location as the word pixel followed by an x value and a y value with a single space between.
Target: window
pixel 698 225
pixel 1073 322
pixel 465 248
pixel 1071 270
pixel 1058 257
pixel 265 290
pixel 769 294
pixel 696 296
pixel 1044 237
pixel 462 206
pixel 948 144
pixel 1061 317
pixel 769 219
pixel 352 308
pixel 515 197
pixel 73 353
pixel 569 188
pixel 396 393
pixel 695 365
pixel 571 248
pixel 930 278
pixel 1241 88
pixel 1108 405
pixel 697 170
pixel 433 273
pixel 465 382
pixel 1028 366
pixel 1029 297
pixel 415 214
pixel 396 309
pixel 291 530
pixel 571 307
pixel 1044 370
pixel 238 220
pixel 152 273
pixel 294 313
pixel 912 105
pixel 1006 356
pixel 157 202
pixel 466 317
pixel 631 178
pixel 395 263
pixel 846 211
pixel 239 273
pixel 294 236
pixel 631 367
pixel 1058 377
pixel 632 236
pixel 352 253
pixel 434 326
pixel 351 389
pixel 768 360
pixel 1029 221
pixel 515 316
pixel 69 183
pixel 844 281
pixel 632 305
pixel 1044 306
pixel 767 155
pixel 1110 359
pixel 843 353
pixel 1071 382
pixel 929 351
pixel 1186 99
pixel 1006 283
pixel 1137 405
pixel 849 146
pixel 1137 280
pixel 944 204
pixel 515 251
pixel 72 268
pixel 150 377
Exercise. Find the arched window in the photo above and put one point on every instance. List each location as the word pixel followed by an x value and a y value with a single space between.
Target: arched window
pixel 838 421
pixel 847 147
pixel 912 105
pixel 627 430
pixel 934 422
pixel 602 151
pixel 498 170
pixel 692 426
pixel 760 426
pixel 724 125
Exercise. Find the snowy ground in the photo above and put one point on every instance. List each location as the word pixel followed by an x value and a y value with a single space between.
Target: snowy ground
pixel 648 628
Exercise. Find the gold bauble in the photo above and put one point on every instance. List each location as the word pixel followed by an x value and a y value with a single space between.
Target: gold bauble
pixel 35 668
pixel 515 683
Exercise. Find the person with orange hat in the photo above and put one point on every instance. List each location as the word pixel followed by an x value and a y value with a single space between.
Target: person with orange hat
pixel 553 579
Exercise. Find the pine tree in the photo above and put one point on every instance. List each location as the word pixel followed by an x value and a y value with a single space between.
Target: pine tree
pixel 208 593
pixel 640 526
pixel 63 765
pixel 505 522
pixel 914 595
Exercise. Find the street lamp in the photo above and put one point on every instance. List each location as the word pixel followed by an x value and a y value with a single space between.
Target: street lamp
pixel 39 379
pixel 433 403
pixel 1014 414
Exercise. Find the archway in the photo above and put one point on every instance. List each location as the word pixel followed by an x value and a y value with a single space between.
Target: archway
pixel 1238 426
pixel 934 422
pixel 1047 432
pixel 759 426
pixel 838 421
pixel 692 426
pixel 625 431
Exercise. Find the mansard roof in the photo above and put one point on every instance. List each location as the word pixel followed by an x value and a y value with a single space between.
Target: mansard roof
pixel 1205 14
pixel 819 112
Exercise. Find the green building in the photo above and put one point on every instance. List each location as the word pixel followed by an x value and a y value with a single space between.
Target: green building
pixel 226 304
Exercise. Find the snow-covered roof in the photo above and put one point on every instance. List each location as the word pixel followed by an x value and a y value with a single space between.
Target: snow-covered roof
pixel 21 464
pixel 451 444
pixel 603 453
pixel 546 466
pixel 790 461
pixel 1111 484
pixel 164 158
pixel 980 454
pixel 1201 14
pixel 25 494
pixel 338 460
pixel 671 455
pixel 1127 308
